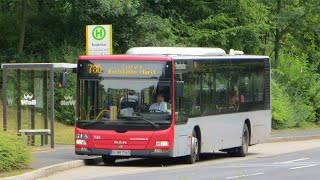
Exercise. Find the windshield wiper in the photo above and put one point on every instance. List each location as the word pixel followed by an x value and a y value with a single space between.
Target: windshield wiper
pixel 93 122
pixel 146 120
pixel 152 123
pixel 107 122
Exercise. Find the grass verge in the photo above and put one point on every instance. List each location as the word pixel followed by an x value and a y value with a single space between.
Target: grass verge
pixel 14 172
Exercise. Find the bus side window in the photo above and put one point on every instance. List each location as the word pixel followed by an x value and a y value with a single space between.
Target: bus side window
pixel 221 92
pixel 258 85
pixel 183 101
pixel 180 115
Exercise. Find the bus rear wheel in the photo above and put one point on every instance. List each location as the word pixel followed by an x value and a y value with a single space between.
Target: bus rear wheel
pixel 108 160
pixel 194 151
pixel 242 151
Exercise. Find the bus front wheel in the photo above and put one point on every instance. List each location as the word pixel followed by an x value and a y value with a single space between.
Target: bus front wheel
pixel 108 160
pixel 242 151
pixel 194 151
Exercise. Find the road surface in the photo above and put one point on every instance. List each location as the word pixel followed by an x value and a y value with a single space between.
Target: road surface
pixel 281 160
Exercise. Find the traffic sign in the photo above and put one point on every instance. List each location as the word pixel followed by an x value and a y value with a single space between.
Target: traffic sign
pixel 99 39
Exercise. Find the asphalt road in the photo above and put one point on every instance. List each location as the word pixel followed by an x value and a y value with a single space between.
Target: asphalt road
pixel 282 160
pixel 65 153
pixel 293 166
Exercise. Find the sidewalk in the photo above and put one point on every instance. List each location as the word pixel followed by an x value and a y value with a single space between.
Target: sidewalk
pixel 65 153
pixel 61 154
pixel 291 135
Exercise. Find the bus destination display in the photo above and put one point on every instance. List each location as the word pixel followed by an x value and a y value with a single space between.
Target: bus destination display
pixel 122 69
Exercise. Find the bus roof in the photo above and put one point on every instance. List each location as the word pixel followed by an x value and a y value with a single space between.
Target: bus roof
pixel 192 53
pixel 125 57
pixel 226 57
pixel 177 51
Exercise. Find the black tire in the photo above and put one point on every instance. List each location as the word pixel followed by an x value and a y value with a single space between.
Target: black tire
pixel 108 160
pixel 242 151
pixel 191 159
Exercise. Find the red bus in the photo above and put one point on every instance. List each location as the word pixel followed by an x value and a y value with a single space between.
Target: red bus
pixel 160 105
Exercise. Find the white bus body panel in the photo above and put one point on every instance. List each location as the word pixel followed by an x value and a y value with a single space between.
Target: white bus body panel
pixel 223 131
pixel 182 142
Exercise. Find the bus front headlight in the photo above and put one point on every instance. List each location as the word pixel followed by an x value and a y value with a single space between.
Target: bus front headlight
pixel 81 142
pixel 162 143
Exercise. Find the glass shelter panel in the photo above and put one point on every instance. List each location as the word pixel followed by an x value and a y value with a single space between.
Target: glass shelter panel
pixel 28 101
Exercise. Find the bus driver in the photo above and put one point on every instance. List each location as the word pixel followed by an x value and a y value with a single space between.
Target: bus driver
pixel 160 105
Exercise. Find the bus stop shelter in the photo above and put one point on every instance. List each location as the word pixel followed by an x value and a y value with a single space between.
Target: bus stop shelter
pixel 29 98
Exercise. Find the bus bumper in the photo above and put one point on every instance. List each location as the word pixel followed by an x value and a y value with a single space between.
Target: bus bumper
pixel 134 153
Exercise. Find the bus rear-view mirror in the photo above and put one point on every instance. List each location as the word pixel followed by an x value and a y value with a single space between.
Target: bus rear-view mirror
pixel 63 79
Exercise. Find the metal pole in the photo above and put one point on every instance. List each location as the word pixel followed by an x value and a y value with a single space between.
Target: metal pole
pixel 45 103
pixel 18 95
pixel 32 107
pixel 4 97
pixel 52 106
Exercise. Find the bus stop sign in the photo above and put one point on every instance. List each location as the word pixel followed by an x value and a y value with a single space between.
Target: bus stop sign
pixel 99 39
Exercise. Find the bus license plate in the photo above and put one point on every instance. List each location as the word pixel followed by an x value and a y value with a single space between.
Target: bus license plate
pixel 120 153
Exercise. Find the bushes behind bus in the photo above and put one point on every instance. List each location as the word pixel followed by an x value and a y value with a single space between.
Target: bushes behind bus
pixel 295 94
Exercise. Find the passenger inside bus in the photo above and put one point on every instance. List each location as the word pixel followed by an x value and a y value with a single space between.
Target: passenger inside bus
pixel 130 101
pixel 234 102
pixel 234 99
pixel 221 94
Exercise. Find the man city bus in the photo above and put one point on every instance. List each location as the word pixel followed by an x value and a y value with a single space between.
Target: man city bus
pixel 171 102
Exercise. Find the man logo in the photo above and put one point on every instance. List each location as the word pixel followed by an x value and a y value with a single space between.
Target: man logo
pixel 68 101
pixel 28 101
pixel 120 142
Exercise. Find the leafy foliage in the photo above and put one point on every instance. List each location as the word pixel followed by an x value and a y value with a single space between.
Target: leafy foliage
pixel 293 99
pixel 14 153
pixel 281 110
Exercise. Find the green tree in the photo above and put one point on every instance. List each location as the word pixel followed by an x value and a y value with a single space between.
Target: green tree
pixel 287 30
pixel 285 17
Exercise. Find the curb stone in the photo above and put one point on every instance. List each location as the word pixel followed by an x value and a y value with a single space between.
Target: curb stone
pixel 49 170
pixel 292 138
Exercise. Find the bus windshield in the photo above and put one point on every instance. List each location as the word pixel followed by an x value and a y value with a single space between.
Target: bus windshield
pixel 134 103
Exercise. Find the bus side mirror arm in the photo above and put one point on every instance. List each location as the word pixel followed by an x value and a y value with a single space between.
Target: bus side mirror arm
pixel 179 88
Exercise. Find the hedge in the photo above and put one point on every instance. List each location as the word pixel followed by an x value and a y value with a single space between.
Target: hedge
pixel 14 153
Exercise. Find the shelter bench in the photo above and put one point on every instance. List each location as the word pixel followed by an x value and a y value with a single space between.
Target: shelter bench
pixel 32 132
